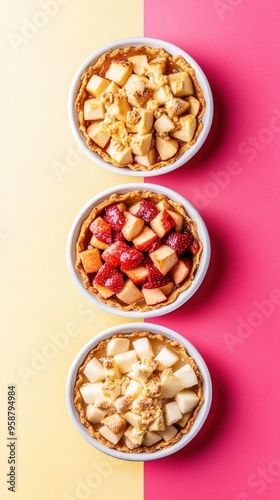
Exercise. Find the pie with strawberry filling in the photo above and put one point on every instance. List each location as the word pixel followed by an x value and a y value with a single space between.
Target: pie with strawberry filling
pixel 138 251
pixel 140 107
pixel 138 392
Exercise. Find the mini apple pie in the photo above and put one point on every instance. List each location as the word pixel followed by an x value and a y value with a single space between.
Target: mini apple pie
pixel 138 251
pixel 139 107
pixel 138 392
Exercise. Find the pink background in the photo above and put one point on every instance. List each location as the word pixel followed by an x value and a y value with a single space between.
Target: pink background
pixel 234 317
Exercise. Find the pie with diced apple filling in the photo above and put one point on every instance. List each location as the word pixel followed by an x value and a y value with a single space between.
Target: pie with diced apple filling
pixel 138 251
pixel 140 107
pixel 138 392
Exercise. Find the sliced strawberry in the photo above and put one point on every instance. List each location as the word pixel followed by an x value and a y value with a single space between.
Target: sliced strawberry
pixel 130 258
pixel 150 245
pixel 187 262
pixel 117 236
pixel 114 217
pixel 178 241
pixel 110 277
pixel 147 210
pixel 194 246
pixel 101 230
pixel 153 271
pixel 113 253
pixel 158 282
pixel 167 221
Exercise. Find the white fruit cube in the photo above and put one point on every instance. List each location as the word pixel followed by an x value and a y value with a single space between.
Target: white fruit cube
pixel 186 375
pixel 162 223
pixel 181 83
pixel 112 88
pixel 117 346
pixel 121 206
pixel 133 418
pixel 187 128
pixel 119 72
pixel 141 372
pixel 186 400
pixel 163 94
pixel 179 219
pixel 93 109
pixel 137 90
pixel 109 435
pixel 115 422
pixel 166 358
pixel 169 433
pixel 179 272
pixel 184 420
pixel 148 159
pixel 140 121
pixel 126 360
pixel 138 275
pixel 120 154
pixel 166 147
pixel 94 371
pixel 194 105
pixel 91 392
pixel 140 144
pixel 94 415
pixel 170 386
pixel 164 258
pixel 151 438
pixel 95 242
pixel 132 227
pixel 97 133
pixel 143 347
pixel 164 124
pixel 172 413
pixel 139 62
pixel 168 288
pixel 153 296
pixel 134 436
pixel 96 85
pixel 130 294
pixel 123 404
pixel 158 424
pixel 163 205
pixel 91 260
pixel 133 389
pixel 119 107
pixel 176 107
pixel 133 209
pixel 104 291
pixel 144 238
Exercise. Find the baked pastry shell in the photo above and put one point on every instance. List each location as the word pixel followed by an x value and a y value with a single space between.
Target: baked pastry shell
pixel 173 50
pixel 184 295
pixel 127 329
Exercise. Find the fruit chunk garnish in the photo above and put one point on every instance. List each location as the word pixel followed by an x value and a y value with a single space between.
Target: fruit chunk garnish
pixel 109 277
pixel 130 258
pixel 178 241
pixel 147 210
pixel 114 217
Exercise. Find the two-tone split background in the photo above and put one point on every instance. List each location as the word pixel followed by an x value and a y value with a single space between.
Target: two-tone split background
pixel 233 181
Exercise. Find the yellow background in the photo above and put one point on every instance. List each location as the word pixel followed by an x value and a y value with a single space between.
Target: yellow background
pixel 45 180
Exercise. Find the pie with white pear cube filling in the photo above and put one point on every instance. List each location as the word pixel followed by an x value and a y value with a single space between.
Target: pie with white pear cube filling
pixel 140 107
pixel 138 392
pixel 138 251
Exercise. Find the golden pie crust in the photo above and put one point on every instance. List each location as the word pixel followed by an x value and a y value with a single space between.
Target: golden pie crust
pixel 132 197
pixel 93 430
pixel 98 68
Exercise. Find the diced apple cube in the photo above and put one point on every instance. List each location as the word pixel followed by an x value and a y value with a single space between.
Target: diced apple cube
pixel 133 209
pixel 186 400
pixel 130 294
pixel 172 413
pixel 166 358
pixel 181 83
pixel 163 94
pixel 126 360
pixel 137 90
pixel 148 159
pixel 179 272
pixel 94 415
pixel 133 437
pixel 93 109
pixel 98 134
pixel 170 386
pixel 115 422
pixel 132 227
pixel 146 236
pixel 121 154
pixel 117 346
pixel 164 258
pixel 119 72
pixel 176 107
pixel 109 435
pixel 168 433
pixel 166 147
pixel 95 242
pixel 143 347
pixel 104 291
pixel 164 124
pixel 139 62
pixel 163 205
pixel 151 438
pixel 140 121
pixel 162 223
pixel 121 206
pixel 158 424
pixel 168 288
pixel 179 219
pixel 119 107
pixel 141 372
pixel 133 389
pixel 94 371
pixel 187 128
pixel 138 275
pixel 184 420
pixel 140 144
pixel 91 392
pixel 186 375
pixel 112 88
pixel 153 296
pixel 91 260
pixel 194 105
pixel 123 404
pixel 96 85
pixel 133 418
